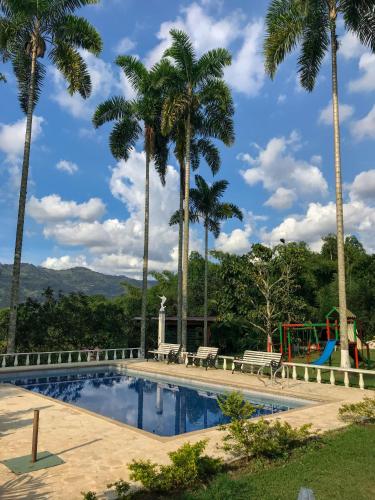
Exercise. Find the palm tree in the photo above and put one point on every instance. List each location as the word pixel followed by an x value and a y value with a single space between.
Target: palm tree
pixel 196 93
pixel 206 205
pixel 146 107
pixel 312 24
pixel 29 30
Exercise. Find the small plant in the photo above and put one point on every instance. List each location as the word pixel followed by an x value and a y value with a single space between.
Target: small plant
pixel 260 439
pixel 359 413
pixel 122 489
pixel 89 495
pixel 188 468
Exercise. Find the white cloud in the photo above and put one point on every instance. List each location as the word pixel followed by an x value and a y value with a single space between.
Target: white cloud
pixel 366 83
pixel 64 262
pixel 67 166
pixel 350 46
pixel 281 99
pixel 326 115
pixel 282 199
pixel 277 167
pixel 12 136
pixel 320 220
pixel 365 127
pixel 363 187
pixel 124 46
pixel 247 71
pixel 114 245
pixel 236 242
pixel 52 209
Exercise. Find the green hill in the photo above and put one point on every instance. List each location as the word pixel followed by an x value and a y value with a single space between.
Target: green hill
pixel 35 279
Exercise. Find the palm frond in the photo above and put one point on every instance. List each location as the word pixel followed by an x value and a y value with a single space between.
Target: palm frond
pixel 182 52
pixel 210 153
pixel 359 17
pixel 212 64
pixel 315 43
pixel 21 63
pixel 115 108
pixel 284 26
pixel 79 33
pixel 123 138
pixel 135 71
pixel 74 69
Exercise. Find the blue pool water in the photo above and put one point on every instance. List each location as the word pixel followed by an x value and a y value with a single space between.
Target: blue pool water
pixel 156 406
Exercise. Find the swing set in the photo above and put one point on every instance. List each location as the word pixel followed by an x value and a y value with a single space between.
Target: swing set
pixel 301 339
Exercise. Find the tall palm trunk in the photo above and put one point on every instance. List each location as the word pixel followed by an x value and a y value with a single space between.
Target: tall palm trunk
pixel 14 294
pixel 205 326
pixel 145 244
pixel 180 242
pixel 185 253
pixel 344 346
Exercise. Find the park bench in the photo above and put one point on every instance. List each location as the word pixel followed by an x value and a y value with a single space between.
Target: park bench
pixel 169 351
pixel 271 360
pixel 205 355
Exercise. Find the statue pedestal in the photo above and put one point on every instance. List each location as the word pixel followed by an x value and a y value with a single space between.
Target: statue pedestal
pixel 161 328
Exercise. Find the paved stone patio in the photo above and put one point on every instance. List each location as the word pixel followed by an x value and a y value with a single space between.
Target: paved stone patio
pixel 96 449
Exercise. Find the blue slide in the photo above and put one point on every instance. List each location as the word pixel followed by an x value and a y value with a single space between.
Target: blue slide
pixel 327 353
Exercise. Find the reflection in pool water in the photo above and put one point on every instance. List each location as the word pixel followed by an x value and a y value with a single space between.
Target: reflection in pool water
pixel 158 407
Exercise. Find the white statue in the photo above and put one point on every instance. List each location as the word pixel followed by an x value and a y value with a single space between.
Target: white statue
pixel 163 300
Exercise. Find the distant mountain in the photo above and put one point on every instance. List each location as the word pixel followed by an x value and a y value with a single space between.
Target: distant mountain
pixel 35 279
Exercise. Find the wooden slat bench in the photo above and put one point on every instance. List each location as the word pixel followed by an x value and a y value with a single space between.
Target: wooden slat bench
pixel 169 351
pixel 270 360
pixel 206 355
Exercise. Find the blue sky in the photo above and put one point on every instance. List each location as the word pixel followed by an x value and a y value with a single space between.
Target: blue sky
pixel 84 208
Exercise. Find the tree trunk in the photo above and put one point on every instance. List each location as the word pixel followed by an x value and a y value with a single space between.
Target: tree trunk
pixel 205 327
pixel 344 346
pixel 14 294
pixel 145 250
pixel 185 253
pixel 179 270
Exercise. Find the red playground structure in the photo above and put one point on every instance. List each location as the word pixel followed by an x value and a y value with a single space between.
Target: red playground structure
pixel 301 339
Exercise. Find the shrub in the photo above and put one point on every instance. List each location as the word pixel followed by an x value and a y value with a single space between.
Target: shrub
pixel 89 495
pixel 259 439
pixel 360 413
pixel 122 489
pixel 188 468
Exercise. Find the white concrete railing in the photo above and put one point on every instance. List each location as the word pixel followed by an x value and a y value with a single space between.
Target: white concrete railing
pixel 312 373
pixel 62 357
pixel 316 372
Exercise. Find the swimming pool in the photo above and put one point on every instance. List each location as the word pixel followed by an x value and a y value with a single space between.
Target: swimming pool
pixel 159 406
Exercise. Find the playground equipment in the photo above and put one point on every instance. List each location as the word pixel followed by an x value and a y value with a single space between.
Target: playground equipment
pixel 298 339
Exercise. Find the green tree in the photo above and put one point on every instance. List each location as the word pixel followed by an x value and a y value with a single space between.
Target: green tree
pixel 206 206
pixel 196 91
pixel 312 24
pixel 146 107
pixel 29 30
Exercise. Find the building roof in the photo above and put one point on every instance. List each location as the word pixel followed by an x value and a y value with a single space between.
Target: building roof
pixel 336 310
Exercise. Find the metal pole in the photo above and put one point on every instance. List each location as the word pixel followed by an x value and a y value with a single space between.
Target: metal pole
pixel 34 449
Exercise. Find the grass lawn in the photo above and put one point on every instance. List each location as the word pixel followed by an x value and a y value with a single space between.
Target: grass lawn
pixel 343 469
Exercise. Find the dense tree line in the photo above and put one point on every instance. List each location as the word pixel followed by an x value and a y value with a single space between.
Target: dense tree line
pixel 299 284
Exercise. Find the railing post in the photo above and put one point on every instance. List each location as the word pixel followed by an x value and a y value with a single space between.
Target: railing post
pixel 122 354
pixel 332 377
pixel 115 354
pixel 38 359
pixel 283 372
pixel 361 381
pixel 106 355
pixel 70 357
pixel 225 364
pixel 319 376
pixel 131 353
pixel 16 360
pixel 49 358
pixel 97 356
pixel 59 358
pixel 27 359
pixel 346 379
pixel 294 373
pixel 306 374
pixel 79 356
pixel 4 363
